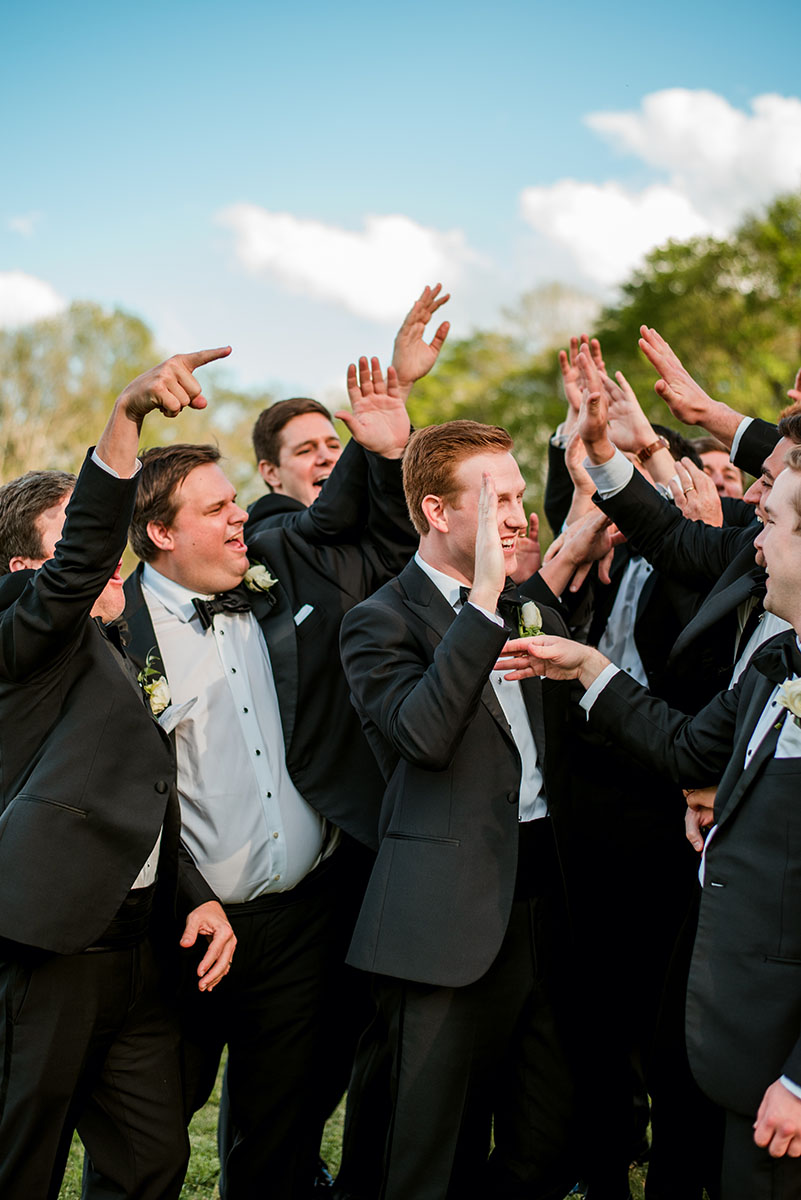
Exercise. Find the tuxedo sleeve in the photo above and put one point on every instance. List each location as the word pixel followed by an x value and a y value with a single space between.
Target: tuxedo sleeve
pixel 738 513
pixel 421 709
pixel 692 552
pixel 692 751
pixel 192 887
pixel 54 602
pixel 558 489
pixel 757 442
pixel 338 514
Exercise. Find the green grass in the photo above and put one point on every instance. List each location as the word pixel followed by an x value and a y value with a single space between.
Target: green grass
pixel 201 1178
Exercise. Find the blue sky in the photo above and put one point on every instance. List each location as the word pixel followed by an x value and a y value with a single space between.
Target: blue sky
pixel 287 179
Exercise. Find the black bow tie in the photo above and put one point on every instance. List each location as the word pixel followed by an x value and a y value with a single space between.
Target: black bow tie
pixel 779 659
pixel 235 601
pixel 508 603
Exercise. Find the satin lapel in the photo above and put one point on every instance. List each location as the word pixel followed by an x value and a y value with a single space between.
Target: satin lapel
pixel 141 635
pixel 274 614
pixel 716 605
pixel 533 697
pixel 428 603
pixel 743 778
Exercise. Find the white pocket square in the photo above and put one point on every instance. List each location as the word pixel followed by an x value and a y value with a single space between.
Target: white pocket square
pixel 302 613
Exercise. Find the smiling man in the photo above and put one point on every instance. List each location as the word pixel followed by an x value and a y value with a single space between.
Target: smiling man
pixel 464 906
pixel 743 1011
pixel 296 447
pixel 272 765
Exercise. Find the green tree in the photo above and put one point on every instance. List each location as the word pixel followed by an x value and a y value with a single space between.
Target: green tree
pixel 59 378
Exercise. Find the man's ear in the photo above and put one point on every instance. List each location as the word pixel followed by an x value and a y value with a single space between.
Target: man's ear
pixel 21 562
pixel 434 512
pixel 160 535
pixel 270 474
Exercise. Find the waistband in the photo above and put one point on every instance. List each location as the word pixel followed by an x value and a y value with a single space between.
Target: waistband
pixel 130 924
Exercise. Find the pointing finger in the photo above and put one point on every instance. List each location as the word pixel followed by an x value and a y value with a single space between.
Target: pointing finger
pixel 199 358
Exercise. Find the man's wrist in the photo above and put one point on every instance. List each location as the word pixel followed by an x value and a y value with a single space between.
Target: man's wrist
pixel 599 452
pixel 593 665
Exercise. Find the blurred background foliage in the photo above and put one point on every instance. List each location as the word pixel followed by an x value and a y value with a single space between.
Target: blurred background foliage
pixel 731 309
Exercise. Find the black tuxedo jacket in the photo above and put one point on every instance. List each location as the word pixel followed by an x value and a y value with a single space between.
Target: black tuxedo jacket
pixel 326 754
pixel 87 775
pixel 439 898
pixel 719 561
pixel 744 997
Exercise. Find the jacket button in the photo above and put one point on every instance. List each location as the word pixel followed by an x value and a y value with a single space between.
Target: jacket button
pixel 511 798
pixel 162 787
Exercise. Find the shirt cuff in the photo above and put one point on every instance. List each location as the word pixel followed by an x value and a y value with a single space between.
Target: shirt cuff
pixel 496 620
pixel 735 441
pixel 788 1083
pixel 560 439
pixel 98 461
pixel 612 476
pixel 594 690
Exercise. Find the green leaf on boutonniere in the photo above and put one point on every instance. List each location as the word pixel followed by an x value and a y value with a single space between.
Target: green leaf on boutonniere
pixel 529 622
pixel 154 684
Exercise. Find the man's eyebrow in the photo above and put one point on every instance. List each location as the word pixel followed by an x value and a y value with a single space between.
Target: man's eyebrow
pixel 766 471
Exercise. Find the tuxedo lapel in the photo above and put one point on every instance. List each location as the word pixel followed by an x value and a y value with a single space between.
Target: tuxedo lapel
pixel 428 603
pixel 743 777
pixel 717 604
pixel 273 612
pixel 141 635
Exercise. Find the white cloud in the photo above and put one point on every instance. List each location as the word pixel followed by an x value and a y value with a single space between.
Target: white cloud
pixel 606 228
pixel 24 224
pixel 24 298
pixel 371 273
pixel 719 163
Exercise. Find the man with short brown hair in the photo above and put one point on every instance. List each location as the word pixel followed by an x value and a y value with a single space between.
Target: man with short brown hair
pixel 461 924
pixel 272 765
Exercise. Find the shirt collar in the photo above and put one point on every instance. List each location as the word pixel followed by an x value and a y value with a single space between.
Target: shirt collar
pixel 446 584
pixel 173 596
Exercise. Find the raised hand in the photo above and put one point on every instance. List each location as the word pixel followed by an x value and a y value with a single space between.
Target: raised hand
pixel 489 571
pixel 169 387
pixel 593 416
pixel 695 494
pixel 573 380
pixel 529 553
pixel 377 418
pixel 685 398
pixel 795 391
pixel 412 357
pixel 629 428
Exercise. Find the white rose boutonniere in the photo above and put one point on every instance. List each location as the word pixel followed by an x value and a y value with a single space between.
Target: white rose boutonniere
pixel 154 684
pixel 790 698
pixel 530 620
pixel 259 579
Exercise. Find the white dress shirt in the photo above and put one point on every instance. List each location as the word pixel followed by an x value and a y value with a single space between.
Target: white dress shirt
pixel 244 822
pixel 532 804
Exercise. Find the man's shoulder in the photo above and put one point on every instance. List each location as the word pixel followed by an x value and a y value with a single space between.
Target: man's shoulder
pixel 12 586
